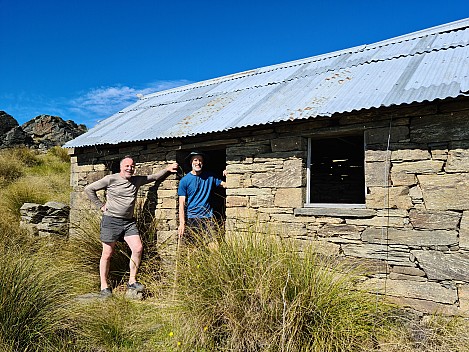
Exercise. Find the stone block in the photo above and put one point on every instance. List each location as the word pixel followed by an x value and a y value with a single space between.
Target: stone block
pixel 464 231
pixel 291 176
pixel 430 291
pixel 345 230
pixel 252 191
pixel 444 266
pixel 377 155
pixel 377 174
pixel 383 221
pixel 403 179
pixel 262 200
pixel 424 306
pixel 434 220
pixel 418 167
pixel 392 197
pixel 289 197
pixel 445 191
pixel 409 237
pixel 408 270
pixel 458 161
pixel 410 155
pixel 463 294
pixel 393 256
pixel 236 201
pixel 169 203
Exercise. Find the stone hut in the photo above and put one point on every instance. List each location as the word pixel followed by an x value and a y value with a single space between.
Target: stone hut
pixel 364 152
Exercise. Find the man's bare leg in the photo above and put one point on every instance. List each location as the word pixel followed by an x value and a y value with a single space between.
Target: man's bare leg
pixel 105 262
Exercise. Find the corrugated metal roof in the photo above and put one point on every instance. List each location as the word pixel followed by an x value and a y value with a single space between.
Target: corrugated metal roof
pixel 422 66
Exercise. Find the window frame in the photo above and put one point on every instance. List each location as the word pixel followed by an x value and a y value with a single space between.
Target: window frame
pixel 308 203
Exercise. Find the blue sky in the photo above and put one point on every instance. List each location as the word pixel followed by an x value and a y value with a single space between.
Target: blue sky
pixel 84 60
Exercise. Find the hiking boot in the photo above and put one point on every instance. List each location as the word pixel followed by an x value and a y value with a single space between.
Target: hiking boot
pixel 136 286
pixel 105 292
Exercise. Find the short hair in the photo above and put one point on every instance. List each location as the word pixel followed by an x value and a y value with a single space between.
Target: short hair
pixel 126 157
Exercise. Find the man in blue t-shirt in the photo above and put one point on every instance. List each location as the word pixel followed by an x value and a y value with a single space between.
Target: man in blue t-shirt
pixel 195 210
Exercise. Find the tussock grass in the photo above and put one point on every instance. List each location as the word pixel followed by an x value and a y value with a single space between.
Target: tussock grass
pixel 23 191
pixel 33 295
pixel 11 173
pixel 256 293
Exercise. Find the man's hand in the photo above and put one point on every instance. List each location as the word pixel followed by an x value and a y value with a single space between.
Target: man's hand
pixel 181 229
pixel 172 168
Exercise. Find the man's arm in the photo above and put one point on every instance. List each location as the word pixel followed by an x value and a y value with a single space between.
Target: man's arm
pixel 171 168
pixel 92 188
pixel 182 215
pixel 223 183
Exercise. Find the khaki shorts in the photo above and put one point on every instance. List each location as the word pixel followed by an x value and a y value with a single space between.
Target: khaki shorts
pixel 115 229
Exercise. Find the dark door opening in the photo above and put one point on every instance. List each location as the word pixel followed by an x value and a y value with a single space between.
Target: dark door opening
pixel 216 163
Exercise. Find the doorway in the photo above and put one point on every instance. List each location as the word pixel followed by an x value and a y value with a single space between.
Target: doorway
pixel 215 163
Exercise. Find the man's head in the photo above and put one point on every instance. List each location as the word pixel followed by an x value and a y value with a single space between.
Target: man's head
pixel 197 162
pixel 127 167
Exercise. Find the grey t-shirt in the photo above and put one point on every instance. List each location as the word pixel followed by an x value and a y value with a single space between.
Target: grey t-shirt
pixel 120 193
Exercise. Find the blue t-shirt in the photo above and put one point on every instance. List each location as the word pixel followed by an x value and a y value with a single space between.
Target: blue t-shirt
pixel 197 190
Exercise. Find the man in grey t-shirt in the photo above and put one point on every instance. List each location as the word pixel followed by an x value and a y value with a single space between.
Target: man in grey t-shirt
pixel 118 217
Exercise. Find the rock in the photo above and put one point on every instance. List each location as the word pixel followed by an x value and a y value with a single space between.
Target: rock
pixel 42 132
pixel 16 137
pixel 444 266
pixel 7 122
pixel 48 131
pixel 50 219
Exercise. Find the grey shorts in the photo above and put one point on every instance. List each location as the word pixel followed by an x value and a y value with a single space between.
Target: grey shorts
pixel 114 229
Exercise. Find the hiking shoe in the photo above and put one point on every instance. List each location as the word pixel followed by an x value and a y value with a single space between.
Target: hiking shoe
pixel 105 292
pixel 136 286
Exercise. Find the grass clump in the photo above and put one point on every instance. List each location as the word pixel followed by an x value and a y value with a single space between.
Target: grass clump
pixel 33 296
pixel 255 293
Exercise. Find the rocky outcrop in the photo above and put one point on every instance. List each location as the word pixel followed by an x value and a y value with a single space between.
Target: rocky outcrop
pixel 42 132
pixel 49 131
pixel 7 122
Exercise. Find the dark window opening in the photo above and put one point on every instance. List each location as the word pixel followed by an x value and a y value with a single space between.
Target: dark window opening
pixel 337 170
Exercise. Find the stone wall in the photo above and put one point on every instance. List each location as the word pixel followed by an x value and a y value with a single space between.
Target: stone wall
pixel 412 233
pixel 45 220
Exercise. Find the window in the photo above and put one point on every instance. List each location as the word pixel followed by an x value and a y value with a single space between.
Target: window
pixel 336 172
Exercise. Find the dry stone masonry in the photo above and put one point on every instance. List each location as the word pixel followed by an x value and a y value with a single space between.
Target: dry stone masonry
pixel 50 219
pixel 412 233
